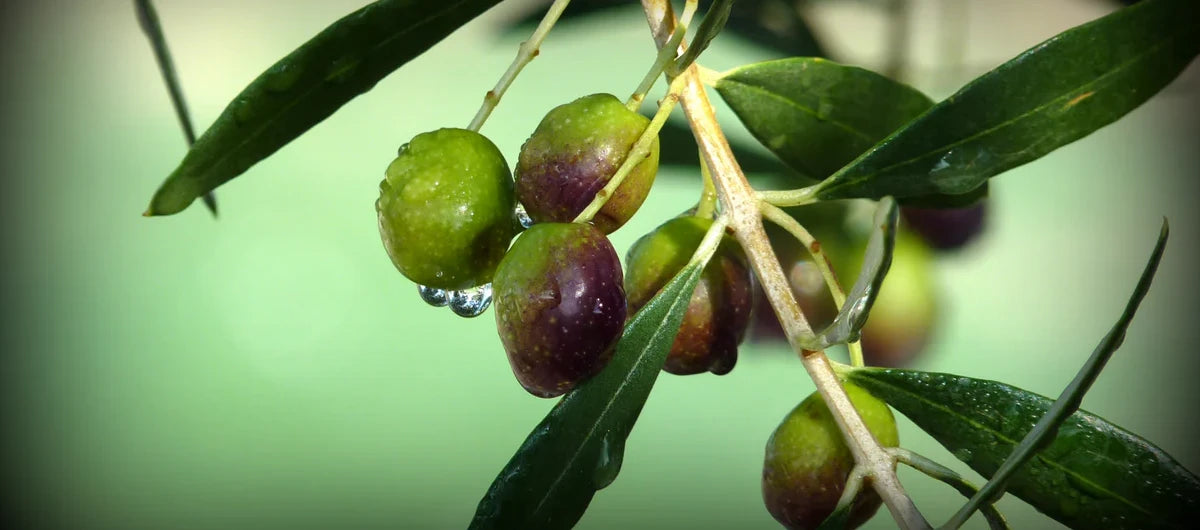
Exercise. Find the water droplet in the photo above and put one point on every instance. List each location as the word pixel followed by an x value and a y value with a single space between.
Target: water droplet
pixel 963 454
pixel 433 296
pixel 243 110
pixel 471 302
pixel 609 462
pixel 522 216
pixel 282 77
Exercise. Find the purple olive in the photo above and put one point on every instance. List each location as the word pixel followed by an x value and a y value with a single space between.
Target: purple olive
pixel 560 305
pixel 719 310
pixel 574 152
pixel 946 229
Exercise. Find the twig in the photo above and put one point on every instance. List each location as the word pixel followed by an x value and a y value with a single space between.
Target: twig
pixel 741 205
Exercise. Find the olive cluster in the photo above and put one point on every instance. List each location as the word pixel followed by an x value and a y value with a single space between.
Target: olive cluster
pixel 446 216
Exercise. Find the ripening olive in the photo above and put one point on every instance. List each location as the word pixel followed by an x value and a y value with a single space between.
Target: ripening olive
pixel 560 305
pixel 446 209
pixel 807 462
pixel 946 229
pixel 574 152
pixel 902 318
pixel 719 310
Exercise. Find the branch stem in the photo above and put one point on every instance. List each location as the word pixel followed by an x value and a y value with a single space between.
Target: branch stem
pixel 741 205
pixel 666 54
pixel 776 215
pixel 525 54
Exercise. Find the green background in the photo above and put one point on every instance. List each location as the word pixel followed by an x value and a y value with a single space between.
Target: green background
pixel 272 369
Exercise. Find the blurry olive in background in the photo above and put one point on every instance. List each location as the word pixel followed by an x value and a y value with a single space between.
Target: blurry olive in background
pixel 947 229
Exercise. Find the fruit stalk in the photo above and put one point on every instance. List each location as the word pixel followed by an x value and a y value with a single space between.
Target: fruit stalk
pixel 525 54
pixel 785 221
pixel 742 207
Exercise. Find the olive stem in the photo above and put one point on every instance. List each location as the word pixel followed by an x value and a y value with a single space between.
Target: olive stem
pixel 708 194
pixel 666 54
pixel 637 153
pixel 951 478
pixel 525 54
pixel 797 230
pixel 741 206
pixel 785 198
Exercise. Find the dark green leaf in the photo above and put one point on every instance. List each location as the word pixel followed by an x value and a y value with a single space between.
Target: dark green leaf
pixel 1051 95
pixel 148 20
pixel 1093 475
pixel 1068 402
pixel 344 60
pixel 847 326
pixel 577 449
pixel 710 27
pixel 817 115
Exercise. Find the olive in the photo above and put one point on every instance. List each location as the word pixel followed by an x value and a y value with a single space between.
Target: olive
pixel 807 462
pixel 905 311
pixel 946 229
pixel 574 152
pixel 446 209
pixel 560 305
pixel 718 312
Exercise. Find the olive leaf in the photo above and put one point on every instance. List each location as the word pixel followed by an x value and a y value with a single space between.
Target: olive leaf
pixel 1070 464
pixel 148 20
pixel 1053 94
pixel 713 23
pixel 1071 397
pixel 817 115
pixel 305 87
pixel 577 449
pixel 847 326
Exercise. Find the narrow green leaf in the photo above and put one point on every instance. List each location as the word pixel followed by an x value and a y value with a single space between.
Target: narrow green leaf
pixel 1093 475
pixel 577 449
pixel 148 20
pixel 710 27
pixel 1068 402
pixel 877 258
pixel 818 115
pixel 1053 94
pixel 307 86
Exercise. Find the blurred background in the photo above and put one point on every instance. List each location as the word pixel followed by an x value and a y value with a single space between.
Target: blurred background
pixel 271 369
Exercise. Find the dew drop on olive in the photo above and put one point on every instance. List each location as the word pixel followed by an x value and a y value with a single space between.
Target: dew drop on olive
pixel 560 305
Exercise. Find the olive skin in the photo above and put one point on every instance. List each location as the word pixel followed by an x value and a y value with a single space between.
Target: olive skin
pixel 560 305
pixel 807 462
pixel 446 209
pixel 574 152
pixel 719 311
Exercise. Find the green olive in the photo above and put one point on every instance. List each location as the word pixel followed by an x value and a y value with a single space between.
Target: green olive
pixel 807 462
pixel 446 209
